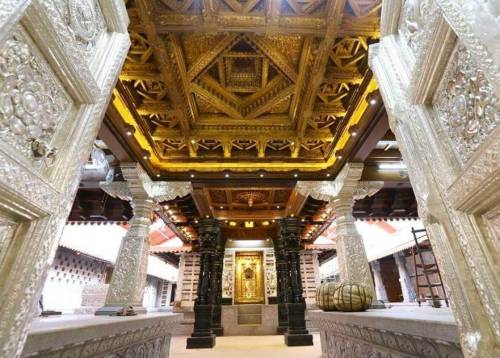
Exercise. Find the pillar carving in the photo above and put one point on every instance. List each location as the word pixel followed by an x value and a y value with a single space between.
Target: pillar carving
pixel 380 291
pixel 126 289
pixel 210 240
pixel 442 110
pixel 341 193
pixel 409 294
pixel 282 284
pixel 216 282
pixel 296 334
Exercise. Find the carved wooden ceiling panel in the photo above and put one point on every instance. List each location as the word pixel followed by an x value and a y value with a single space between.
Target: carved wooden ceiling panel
pixel 245 84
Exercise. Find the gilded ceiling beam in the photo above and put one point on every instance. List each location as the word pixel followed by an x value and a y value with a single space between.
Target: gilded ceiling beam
pixel 280 61
pixel 220 134
pixel 248 214
pixel 213 85
pixel 261 24
pixel 270 103
pixel 336 9
pixel 140 72
pixel 156 107
pixel 185 82
pixel 303 67
pixel 266 121
pixel 334 109
pixel 145 12
pixel 215 101
pixel 208 57
pixel 343 76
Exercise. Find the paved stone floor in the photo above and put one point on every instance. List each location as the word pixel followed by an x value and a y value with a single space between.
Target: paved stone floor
pixel 246 347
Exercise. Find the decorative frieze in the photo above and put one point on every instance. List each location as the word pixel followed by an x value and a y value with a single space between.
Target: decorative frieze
pixel 344 340
pixel 128 337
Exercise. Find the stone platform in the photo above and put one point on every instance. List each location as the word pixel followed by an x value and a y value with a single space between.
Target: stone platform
pixel 394 332
pixel 89 336
pixel 249 320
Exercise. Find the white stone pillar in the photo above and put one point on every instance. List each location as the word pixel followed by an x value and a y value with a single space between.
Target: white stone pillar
pixel 129 275
pixel 409 294
pixel 341 193
pixel 351 254
pixel 380 291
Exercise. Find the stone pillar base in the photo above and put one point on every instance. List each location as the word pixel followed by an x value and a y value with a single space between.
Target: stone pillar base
pixel 218 331
pixel 114 310
pixel 202 336
pixel 282 329
pixel 297 334
pixel 205 341
pixel 294 340
pixel 282 318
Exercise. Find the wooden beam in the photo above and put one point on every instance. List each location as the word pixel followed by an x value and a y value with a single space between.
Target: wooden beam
pixel 263 24
pixel 200 201
pixel 146 13
pixel 336 9
pixel 209 57
pixel 185 81
pixel 303 67
pixel 295 203
pixel 248 214
pixel 278 59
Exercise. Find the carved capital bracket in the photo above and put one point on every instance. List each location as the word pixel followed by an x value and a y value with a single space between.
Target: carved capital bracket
pixel 139 185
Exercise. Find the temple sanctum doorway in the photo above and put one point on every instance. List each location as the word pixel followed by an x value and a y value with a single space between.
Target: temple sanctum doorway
pixel 249 277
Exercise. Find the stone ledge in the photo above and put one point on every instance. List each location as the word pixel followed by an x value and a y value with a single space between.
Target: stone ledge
pixel 102 334
pixel 408 332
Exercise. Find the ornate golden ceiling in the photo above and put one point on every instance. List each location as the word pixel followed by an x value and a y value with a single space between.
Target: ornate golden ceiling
pixel 245 85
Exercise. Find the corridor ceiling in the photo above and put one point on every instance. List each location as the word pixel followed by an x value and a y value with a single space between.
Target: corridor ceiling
pixel 245 85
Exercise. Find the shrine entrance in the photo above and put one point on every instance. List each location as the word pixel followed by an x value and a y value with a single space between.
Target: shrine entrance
pixel 249 282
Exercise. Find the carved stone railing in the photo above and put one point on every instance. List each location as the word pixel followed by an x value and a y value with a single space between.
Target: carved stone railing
pixel 387 333
pixel 91 336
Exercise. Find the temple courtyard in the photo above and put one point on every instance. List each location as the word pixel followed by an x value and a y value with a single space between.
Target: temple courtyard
pixel 249 178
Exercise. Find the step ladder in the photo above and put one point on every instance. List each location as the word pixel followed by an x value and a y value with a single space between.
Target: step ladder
pixel 425 269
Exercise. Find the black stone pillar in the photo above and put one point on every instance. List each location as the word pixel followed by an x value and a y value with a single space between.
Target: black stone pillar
pixel 297 334
pixel 282 284
pixel 218 263
pixel 202 336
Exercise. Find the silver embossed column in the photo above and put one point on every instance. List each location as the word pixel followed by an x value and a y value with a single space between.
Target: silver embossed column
pixel 126 289
pixel 129 276
pixel 341 193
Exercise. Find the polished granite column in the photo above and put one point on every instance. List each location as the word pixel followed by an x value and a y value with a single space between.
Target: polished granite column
pixel 297 334
pixel 202 336
pixel 282 285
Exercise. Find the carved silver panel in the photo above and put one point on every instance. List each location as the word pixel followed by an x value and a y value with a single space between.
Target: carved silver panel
pixel 85 21
pixel 7 229
pixel 466 105
pixel 415 18
pixel 33 101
